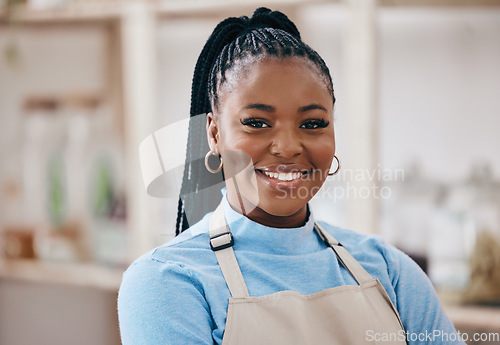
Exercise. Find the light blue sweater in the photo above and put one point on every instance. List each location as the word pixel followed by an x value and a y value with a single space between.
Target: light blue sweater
pixel 176 294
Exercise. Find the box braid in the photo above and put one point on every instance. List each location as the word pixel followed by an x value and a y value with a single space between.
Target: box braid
pixel 235 42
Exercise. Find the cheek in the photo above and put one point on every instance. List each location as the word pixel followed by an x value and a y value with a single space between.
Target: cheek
pixel 231 140
pixel 235 162
pixel 239 152
pixel 321 153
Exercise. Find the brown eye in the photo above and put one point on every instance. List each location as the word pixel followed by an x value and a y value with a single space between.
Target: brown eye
pixel 255 123
pixel 314 124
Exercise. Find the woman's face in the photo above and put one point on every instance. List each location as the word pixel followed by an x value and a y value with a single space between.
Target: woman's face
pixel 274 131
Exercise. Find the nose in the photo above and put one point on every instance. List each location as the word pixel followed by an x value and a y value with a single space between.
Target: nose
pixel 286 143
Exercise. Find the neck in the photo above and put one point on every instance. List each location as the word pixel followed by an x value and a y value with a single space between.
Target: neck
pixel 260 216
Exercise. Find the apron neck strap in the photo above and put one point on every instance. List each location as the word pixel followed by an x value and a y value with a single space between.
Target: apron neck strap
pixel 347 260
pixel 221 242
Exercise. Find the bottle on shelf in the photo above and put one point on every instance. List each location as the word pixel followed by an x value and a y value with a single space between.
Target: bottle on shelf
pixel 44 181
pixel 73 183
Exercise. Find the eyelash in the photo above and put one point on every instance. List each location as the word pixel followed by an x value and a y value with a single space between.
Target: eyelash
pixel 254 122
pixel 259 123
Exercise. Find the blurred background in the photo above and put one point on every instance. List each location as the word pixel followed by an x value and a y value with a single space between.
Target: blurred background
pixel 82 83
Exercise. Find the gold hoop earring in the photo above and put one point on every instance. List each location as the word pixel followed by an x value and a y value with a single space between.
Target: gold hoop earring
pixel 207 156
pixel 338 166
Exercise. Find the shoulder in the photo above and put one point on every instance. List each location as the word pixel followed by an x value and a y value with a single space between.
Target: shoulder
pixel 382 260
pixel 402 278
pixel 366 248
pixel 179 258
pixel 162 297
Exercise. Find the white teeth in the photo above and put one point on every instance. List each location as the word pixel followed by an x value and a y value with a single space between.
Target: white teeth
pixel 284 176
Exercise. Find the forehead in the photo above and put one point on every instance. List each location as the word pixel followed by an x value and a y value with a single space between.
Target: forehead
pixel 273 79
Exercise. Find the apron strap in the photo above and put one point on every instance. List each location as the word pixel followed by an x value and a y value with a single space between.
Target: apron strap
pixel 347 260
pixel 221 242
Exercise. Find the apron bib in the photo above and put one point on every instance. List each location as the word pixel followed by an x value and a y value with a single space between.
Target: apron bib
pixel 343 315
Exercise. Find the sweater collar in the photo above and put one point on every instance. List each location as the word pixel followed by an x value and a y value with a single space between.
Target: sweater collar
pixel 252 236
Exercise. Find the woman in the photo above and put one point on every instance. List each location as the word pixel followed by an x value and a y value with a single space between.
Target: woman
pixel 260 270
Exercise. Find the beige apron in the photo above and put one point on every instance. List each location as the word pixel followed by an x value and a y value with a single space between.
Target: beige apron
pixel 350 314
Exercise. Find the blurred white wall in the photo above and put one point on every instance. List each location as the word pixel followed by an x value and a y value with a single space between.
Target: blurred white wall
pixel 440 89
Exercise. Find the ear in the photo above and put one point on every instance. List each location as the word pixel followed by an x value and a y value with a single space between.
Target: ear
pixel 213 133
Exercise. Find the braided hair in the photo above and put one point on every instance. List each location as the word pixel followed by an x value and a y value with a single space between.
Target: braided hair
pixel 235 42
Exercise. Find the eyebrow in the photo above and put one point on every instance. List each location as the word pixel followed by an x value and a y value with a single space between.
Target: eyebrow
pixel 259 106
pixel 270 108
pixel 312 107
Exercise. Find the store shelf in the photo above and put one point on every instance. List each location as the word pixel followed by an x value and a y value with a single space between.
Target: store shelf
pixel 66 273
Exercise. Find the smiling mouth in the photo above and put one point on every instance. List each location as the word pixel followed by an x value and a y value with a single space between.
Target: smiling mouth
pixel 285 176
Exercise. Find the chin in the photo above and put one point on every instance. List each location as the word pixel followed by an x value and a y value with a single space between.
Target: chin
pixel 282 207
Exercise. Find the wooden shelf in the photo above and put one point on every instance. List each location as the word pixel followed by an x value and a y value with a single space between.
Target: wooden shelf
pixel 223 8
pixel 439 3
pixel 109 11
pixel 90 13
pixel 66 273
